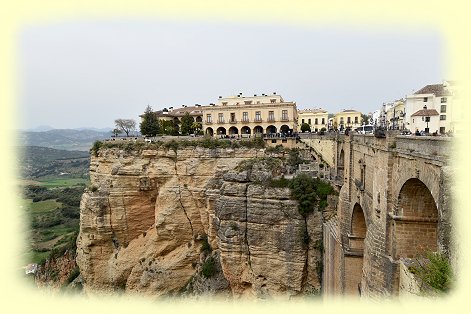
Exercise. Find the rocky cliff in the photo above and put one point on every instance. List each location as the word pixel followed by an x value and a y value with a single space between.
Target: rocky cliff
pixel 189 221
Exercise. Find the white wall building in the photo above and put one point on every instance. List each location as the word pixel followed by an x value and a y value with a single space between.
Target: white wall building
pixel 438 97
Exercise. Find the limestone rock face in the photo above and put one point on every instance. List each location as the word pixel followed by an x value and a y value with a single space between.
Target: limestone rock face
pixel 143 227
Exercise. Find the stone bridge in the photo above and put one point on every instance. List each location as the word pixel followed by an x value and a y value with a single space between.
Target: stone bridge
pixel 394 204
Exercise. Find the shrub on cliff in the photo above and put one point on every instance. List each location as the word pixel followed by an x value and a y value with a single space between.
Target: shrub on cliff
pixel 434 271
pixel 96 147
pixel 309 192
pixel 209 267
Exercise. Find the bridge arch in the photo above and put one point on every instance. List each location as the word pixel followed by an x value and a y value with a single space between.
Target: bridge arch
pixel 413 229
pixel 341 165
pixel 354 255
pixel 416 220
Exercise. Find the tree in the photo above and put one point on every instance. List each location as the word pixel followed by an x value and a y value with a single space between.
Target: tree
pixel 126 125
pixel 197 126
pixel 166 127
pixel 116 132
pixel 305 127
pixel 150 123
pixel 187 122
pixel 365 119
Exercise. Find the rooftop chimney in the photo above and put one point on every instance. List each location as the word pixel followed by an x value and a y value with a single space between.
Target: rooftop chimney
pixel 220 97
pixel 274 93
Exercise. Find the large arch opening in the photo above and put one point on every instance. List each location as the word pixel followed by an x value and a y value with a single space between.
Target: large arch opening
pixel 271 129
pixel 199 119
pixel 233 130
pixel 340 165
pixel 284 129
pixel 258 129
pixel 354 254
pixel 413 228
pixel 245 131
pixel 221 131
pixel 417 217
pixel 209 131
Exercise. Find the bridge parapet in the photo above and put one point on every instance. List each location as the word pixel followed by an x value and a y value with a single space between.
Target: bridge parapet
pixel 431 146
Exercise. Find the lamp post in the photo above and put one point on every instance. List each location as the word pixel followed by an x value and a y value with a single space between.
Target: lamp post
pixel 427 120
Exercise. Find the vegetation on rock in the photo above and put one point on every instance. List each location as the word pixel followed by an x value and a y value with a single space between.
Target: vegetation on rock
pixel 309 192
pixel 434 270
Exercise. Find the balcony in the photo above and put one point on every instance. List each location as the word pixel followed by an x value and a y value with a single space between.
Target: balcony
pixel 209 122
pixel 258 120
pixel 245 120
pixel 284 118
pixel 221 121
pixel 232 121
pixel 271 119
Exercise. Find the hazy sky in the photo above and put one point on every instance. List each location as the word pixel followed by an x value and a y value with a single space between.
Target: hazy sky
pixel 89 73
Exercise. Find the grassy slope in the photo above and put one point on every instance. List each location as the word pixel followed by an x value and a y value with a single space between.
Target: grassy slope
pixel 51 223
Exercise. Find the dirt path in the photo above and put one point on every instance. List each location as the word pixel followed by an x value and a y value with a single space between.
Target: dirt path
pixel 49 244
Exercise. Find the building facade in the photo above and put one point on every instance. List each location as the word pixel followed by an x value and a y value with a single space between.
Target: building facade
pixel 316 118
pixel 247 116
pixel 391 115
pixel 438 97
pixel 347 119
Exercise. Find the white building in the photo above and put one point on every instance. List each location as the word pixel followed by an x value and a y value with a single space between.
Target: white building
pixel 436 102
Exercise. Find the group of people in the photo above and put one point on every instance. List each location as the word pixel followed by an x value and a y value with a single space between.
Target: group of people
pixel 422 133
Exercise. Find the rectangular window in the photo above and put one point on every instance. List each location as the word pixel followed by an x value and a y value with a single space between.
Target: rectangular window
pixel 271 116
pixel 309 121
pixel 323 120
pixel 315 121
pixel 220 118
pixel 443 108
pixel 443 99
pixel 258 116
pixel 349 120
pixel 233 119
pixel 273 141
pixel 245 116
pixel 442 130
pixel 302 121
pixel 425 99
pixel 442 117
pixel 284 115
pixel 272 101
pixel 356 120
pixel 209 119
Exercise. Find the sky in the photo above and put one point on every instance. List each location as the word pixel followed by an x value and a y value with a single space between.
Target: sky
pixel 88 73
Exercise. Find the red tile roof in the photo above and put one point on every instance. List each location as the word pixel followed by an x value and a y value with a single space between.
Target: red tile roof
pixel 436 89
pixel 425 112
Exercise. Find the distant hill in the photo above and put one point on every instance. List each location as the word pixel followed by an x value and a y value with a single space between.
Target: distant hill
pixel 67 139
pixel 43 162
